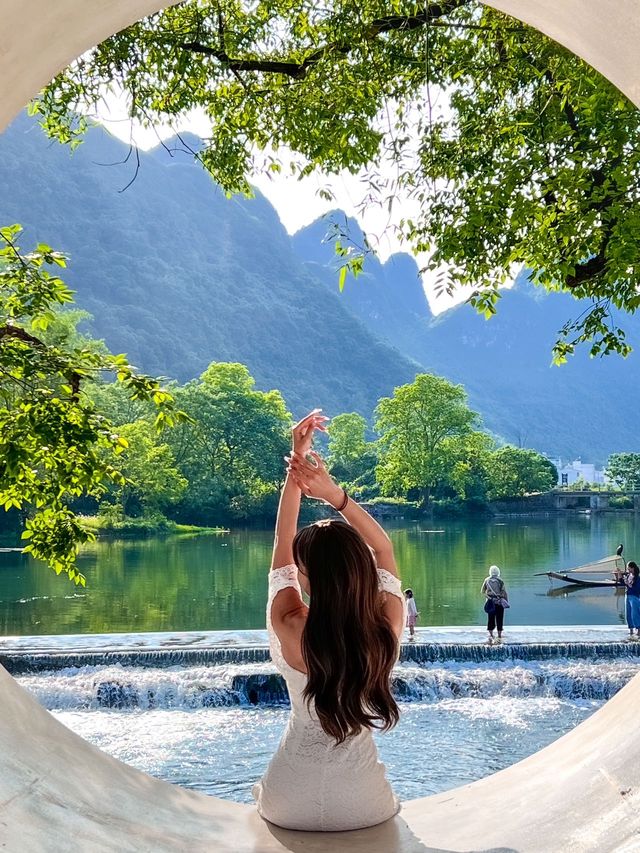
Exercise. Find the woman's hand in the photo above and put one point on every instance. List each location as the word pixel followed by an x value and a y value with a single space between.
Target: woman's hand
pixel 302 432
pixel 313 479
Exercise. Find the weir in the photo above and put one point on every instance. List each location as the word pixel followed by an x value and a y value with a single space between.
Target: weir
pixel 18 662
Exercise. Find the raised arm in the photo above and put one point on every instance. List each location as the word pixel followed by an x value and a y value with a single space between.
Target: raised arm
pixel 315 481
pixel 286 524
pixel 289 506
pixel 373 534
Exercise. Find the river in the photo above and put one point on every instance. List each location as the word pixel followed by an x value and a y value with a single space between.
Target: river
pixel 209 582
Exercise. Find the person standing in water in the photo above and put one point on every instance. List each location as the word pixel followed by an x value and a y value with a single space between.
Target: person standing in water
pixel 495 593
pixel 336 654
pixel 412 612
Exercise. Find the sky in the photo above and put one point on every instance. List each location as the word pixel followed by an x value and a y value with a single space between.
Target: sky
pixel 297 201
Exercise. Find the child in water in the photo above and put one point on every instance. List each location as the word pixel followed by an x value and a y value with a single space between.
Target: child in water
pixel 412 612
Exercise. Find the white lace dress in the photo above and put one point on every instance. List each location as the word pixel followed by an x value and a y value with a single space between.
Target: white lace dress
pixel 311 783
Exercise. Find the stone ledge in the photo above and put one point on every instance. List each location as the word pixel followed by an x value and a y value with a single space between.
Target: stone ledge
pixel 258 638
pixel 58 793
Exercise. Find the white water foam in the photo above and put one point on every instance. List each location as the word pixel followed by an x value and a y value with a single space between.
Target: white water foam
pixel 120 687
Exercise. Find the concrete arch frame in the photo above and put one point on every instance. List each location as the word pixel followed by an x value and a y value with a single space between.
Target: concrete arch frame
pixel 59 793
pixel 39 38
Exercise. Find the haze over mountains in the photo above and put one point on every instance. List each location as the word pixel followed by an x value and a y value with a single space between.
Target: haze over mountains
pixel 587 407
pixel 177 276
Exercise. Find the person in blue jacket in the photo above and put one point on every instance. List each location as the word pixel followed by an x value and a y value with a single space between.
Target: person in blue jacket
pixel 632 590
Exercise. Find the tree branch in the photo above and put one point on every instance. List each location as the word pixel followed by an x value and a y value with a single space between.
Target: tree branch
pixel 590 269
pixel 298 70
pixel 22 335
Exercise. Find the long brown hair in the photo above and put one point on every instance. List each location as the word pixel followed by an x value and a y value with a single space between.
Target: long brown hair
pixel 348 646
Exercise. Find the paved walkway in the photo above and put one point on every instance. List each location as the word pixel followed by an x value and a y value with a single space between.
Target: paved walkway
pixel 257 639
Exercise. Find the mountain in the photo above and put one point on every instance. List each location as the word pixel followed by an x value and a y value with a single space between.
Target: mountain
pixel 587 407
pixel 388 297
pixel 177 275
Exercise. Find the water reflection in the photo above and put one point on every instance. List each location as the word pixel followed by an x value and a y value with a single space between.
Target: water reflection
pixel 219 582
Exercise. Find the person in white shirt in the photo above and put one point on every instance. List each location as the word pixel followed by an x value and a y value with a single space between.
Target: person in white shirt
pixel 336 654
pixel 412 612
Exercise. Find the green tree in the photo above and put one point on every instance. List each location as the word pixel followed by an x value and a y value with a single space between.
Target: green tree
pixel 232 451
pixel 534 161
pixel 469 465
pixel 55 446
pixel 152 481
pixel 416 427
pixel 352 459
pixel 515 471
pixel 347 438
pixel 624 469
pixel 112 400
pixel 62 330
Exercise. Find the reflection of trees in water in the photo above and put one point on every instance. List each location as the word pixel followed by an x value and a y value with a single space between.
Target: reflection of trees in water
pixel 446 569
pixel 220 582
pixel 200 583
pixel 592 595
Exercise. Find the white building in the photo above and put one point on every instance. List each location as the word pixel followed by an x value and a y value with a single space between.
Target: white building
pixel 570 472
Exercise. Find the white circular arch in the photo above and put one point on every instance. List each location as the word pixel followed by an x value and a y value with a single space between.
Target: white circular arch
pixel 38 38
pixel 58 793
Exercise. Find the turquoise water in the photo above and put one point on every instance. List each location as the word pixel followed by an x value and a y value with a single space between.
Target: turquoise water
pixel 197 727
pixel 219 582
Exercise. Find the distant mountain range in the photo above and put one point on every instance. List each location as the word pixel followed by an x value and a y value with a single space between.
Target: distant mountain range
pixel 177 276
pixel 587 407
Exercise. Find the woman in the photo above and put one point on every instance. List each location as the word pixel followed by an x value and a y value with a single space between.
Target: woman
pixel 495 592
pixel 632 595
pixel 336 654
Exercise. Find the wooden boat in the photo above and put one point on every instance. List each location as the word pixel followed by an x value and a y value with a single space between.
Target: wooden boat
pixel 613 566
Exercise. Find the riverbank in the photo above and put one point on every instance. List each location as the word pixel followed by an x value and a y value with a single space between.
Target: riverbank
pixel 547 505
pixel 128 527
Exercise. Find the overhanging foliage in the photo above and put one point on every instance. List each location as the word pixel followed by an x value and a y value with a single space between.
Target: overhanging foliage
pixel 54 444
pixel 535 161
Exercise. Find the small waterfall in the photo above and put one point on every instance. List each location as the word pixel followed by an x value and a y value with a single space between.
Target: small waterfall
pixel 18 663
pixel 121 687
pixel 559 679
pixel 440 652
